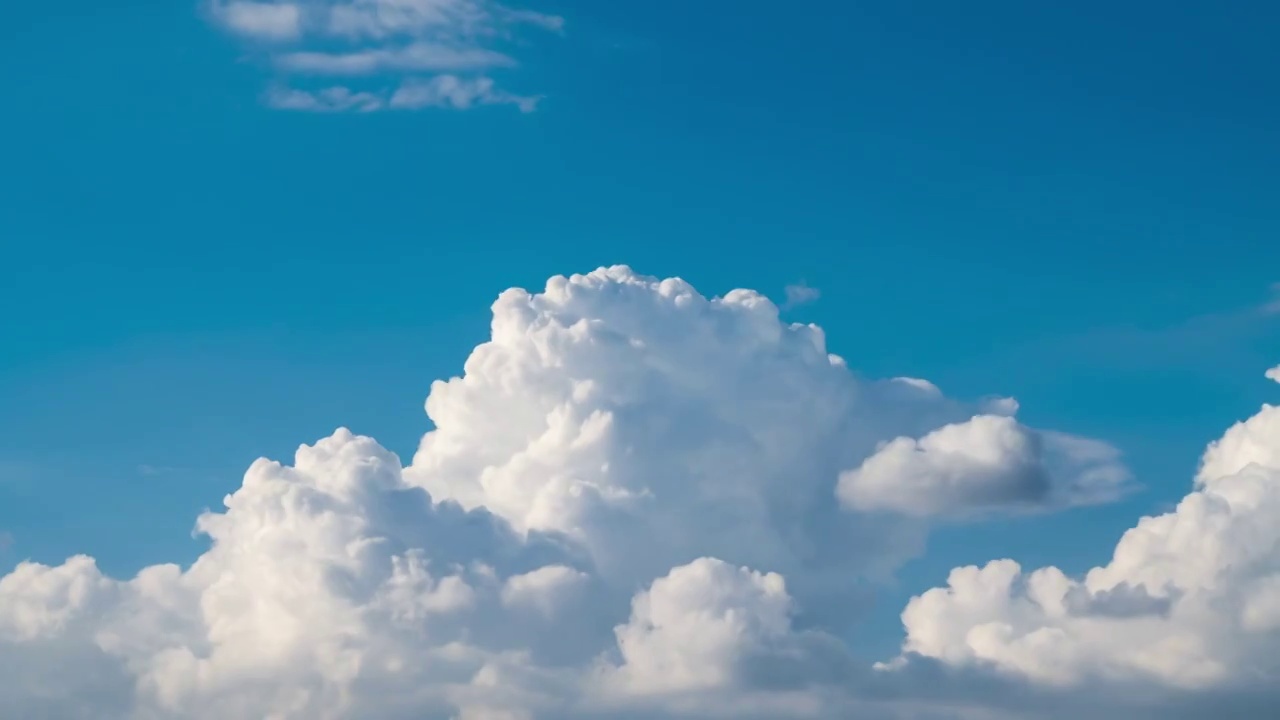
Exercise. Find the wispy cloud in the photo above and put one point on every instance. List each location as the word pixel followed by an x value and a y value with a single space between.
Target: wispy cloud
pixel 800 294
pixel 366 55
pixel 333 99
pixel 421 56
pixel 438 91
pixel 1273 305
pixel 263 20
pixel 458 93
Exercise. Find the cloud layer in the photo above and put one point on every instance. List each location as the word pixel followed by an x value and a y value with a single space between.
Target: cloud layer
pixel 641 502
pixel 366 55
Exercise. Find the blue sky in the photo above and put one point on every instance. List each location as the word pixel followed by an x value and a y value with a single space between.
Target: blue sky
pixel 1072 205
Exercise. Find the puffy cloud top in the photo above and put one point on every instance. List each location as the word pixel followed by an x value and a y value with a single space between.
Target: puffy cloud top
pixel 613 406
pixel 692 627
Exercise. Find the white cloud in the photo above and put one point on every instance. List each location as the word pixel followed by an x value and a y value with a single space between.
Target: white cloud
pixel 427 18
pixel 989 462
pixel 1274 373
pixel 692 627
pixel 800 294
pixel 317 595
pixel 624 416
pixel 553 23
pixel 628 509
pixel 1190 599
pixel 455 92
pixel 448 91
pixel 545 589
pixel 384 45
pixel 261 20
pixel 417 57
pixel 333 99
pixel 712 640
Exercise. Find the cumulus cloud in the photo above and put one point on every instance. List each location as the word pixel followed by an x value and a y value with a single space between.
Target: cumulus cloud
pixel 379 54
pixel 987 463
pixel 694 626
pixel 545 589
pixel 1189 601
pixel 634 504
pixel 625 415
pixel 327 584
pixel 711 639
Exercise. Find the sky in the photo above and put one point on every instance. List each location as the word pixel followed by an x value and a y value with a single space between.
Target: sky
pixel 230 228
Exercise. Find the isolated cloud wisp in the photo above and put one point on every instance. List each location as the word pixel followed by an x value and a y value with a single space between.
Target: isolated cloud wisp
pixel 800 294
pixel 365 55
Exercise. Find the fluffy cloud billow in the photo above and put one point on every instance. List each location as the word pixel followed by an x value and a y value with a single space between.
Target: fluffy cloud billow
pixel 641 502
pixel 613 406
pixel 1190 600
pixel 985 464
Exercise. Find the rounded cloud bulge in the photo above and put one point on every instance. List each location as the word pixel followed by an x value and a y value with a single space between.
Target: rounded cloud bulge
pixel 637 501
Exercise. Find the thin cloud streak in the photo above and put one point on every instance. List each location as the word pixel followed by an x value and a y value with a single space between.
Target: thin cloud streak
pixel 359 56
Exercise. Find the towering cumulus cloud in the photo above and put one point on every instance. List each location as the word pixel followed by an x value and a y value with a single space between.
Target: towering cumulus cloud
pixel 640 502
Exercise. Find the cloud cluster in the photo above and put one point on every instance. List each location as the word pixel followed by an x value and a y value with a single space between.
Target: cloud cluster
pixel 1189 601
pixel 641 502
pixel 366 55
